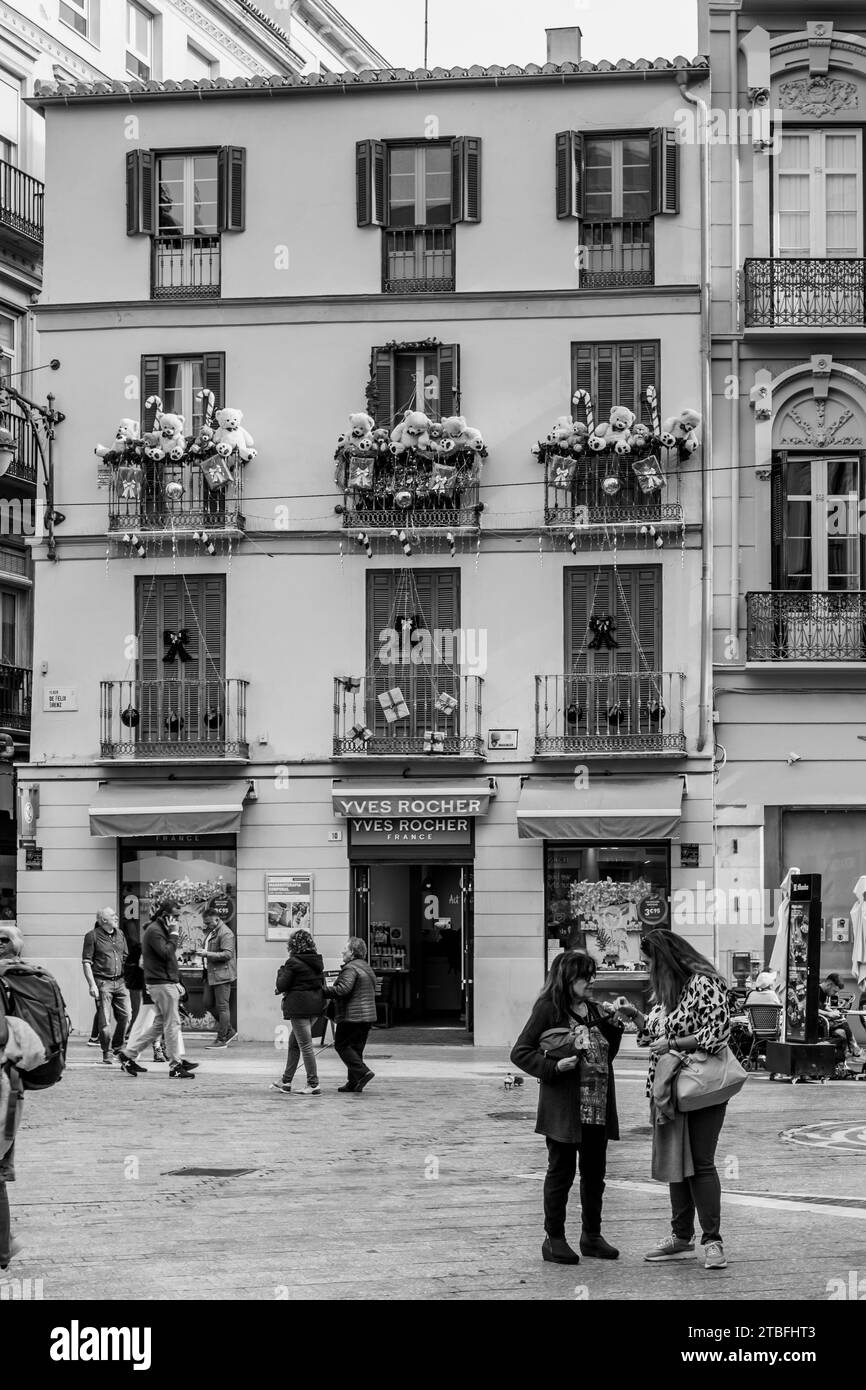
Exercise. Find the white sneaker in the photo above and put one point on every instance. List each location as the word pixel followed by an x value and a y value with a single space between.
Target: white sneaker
pixel 671 1248
pixel 311 1091
pixel 283 1086
pixel 714 1255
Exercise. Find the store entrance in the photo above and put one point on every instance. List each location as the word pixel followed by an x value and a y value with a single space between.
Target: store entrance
pixel 417 922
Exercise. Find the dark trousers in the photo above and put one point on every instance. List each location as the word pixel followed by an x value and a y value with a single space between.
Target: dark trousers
pixel 703 1191
pixel 217 999
pixel 563 1159
pixel 113 999
pixel 350 1041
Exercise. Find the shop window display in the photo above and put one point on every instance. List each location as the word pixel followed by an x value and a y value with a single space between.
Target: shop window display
pixel 601 898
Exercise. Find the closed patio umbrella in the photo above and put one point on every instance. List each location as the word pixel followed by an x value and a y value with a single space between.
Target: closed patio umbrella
pixel 858 923
pixel 779 958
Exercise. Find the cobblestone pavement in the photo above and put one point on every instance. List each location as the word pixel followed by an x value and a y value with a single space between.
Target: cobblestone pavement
pixel 426 1186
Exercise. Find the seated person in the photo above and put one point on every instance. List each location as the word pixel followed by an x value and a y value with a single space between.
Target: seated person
pixel 763 990
pixel 838 1027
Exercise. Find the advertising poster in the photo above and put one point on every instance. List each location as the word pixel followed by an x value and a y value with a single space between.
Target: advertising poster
pixel 288 904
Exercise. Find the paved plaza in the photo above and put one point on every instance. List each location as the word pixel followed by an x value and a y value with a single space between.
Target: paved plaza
pixel 427 1186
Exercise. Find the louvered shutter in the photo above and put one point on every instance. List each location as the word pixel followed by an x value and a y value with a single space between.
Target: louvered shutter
pixel 370 167
pixel 449 380
pixel 140 199
pixel 152 377
pixel 214 373
pixel 381 594
pixel 434 598
pixel 569 174
pixel 380 391
pixel 581 376
pixel 777 522
pixel 664 172
pixel 578 589
pixel 648 375
pixel 625 386
pixel 231 165
pixel 605 382
pixel 466 179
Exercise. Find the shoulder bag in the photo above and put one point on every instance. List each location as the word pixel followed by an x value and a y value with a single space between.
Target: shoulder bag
pixel 708 1078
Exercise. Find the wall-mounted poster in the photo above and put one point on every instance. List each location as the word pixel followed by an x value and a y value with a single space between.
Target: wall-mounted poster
pixel 288 904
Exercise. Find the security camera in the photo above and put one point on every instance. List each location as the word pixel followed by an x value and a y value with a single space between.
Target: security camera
pixel 793 758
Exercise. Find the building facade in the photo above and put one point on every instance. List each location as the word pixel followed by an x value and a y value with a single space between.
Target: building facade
pixel 444 688
pixel 789 414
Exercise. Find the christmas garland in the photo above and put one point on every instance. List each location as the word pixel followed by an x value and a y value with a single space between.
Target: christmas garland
pixel 421 462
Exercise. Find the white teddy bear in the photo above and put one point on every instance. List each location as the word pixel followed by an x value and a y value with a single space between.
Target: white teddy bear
pixel 230 437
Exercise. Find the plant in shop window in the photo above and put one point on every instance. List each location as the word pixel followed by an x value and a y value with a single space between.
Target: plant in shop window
pixel 421 462
pixel 194 897
pixel 607 912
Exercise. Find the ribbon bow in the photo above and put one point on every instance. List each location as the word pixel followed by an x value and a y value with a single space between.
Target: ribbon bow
pixel 176 644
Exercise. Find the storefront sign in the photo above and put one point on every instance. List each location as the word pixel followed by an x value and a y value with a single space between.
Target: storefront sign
pixel 57 698
pixel 412 830
pixel 652 911
pixel 288 904
pixel 421 804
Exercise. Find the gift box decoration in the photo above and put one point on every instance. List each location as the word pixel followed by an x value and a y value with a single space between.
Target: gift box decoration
pixel 444 479
pixel 446 703
pixel 434 741
pixel 217 472
pixel 394 704
pixel 129 482
pixel 562 472
pixel 360 476
pixel 650 477
pixel 361 733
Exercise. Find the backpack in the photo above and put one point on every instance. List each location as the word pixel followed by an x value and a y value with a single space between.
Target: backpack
pixel 28 992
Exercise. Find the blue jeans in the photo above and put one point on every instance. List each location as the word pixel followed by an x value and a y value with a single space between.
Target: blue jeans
pixel 301 1045
pixel 217 999
pixel 112 998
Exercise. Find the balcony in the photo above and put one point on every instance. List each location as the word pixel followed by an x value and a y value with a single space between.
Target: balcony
pixel 590 501
pixel 793 625
pixel 24 469
pixel 805 292
pixel 151 505
pixel 16 690
pixel 418 261
pixel 185 267
pixel 375 511
pixel 174 721
pixel 615 255
pixel 633 712
pixel 442 714
pixel 21 208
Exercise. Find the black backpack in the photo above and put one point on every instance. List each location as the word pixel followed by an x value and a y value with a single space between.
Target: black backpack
pixel 28 992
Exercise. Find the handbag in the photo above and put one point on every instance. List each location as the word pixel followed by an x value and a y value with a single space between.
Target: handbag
pixel 564 1042
pixel 708 1078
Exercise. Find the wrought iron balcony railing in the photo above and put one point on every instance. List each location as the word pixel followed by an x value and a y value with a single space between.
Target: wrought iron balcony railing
pixel 805 292
pixel 22 201
pixel 16 691
pixel 588 502
pixel 375 511
pixel 152 719
pixel 798 625
pixel 615 254
pixel 621 712
pixel 185 267
pixel 25 466
pixel 151 504
pixel 418 261
pixel 408 711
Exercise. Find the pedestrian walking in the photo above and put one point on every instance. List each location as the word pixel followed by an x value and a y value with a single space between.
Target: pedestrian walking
pixel 690 1012
pixel 355 993
pixel 133 977
pixel 103 957
pixel 162 980
pixel 569 1044
pixel 301 981
pixel 220 957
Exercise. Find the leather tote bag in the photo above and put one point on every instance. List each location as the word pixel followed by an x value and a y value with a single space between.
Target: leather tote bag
pixel 708 1078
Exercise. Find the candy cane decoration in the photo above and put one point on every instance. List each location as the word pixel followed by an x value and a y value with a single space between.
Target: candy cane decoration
pixel 363 539
pixel 154 400
pixel 583 398
pixel 652 402
pixel 211 401
pixel 452 544
pixel 404 541
pixel 572 541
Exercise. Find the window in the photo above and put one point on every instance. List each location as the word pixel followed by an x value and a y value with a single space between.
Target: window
pixel 198 65
pixel 10 98
pixel 184 200
pixel 617 178
pixel 8 628
pixel 139 41
pixel 819 194
pixel 8 326
pixel 77 14
pixel 414 376
pixel 178 380
pixel 809 554
pixel 616 374
pixel 429 601
pixel 174 697
pixel 187 190
pixel 583 911
pixel 419 185
pixel 629 595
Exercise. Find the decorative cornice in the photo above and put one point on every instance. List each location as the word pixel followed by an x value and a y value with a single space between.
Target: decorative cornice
pixel 41 42
pixel 218 36
pixel 818 96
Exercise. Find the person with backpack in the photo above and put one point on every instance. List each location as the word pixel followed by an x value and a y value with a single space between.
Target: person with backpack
pixel 355 992
pixel 301 982
pixel 162 980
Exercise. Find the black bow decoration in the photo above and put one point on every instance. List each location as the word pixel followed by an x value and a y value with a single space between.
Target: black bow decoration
pixel 603 628
pixel 213 718
pixel 176 644
pixel 130 717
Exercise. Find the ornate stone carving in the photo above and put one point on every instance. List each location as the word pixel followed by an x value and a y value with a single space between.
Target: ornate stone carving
pixel 818 423
pixel 818 96
pixel 761 397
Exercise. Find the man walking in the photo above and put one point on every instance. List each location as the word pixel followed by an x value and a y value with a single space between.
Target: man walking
pixel 162 981
pixel 103 956
pixel 221 973
pixel 355 992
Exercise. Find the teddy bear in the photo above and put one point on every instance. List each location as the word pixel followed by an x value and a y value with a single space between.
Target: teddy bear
pixel 472 440
pixel 410 433
pixel 230 437
pixel 452 430
pixel 361 425
pixel 125 441
pixel 616 433
pixel 681 431
pixel 435 438
pixel 380 439
pixel 167 439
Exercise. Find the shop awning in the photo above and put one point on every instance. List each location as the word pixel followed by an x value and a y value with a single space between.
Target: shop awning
pixel 407 798
pixel 149 808
pixel 608 808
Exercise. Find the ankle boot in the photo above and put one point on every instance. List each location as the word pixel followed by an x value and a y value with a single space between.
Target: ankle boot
pixel 597 1247
pixel 557 1250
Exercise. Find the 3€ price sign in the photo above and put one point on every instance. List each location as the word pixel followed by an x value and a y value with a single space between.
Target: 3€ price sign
pixel 653 910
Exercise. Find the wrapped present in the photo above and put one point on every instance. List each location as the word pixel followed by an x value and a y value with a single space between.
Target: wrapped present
pixel 650 477
pixel 446 703
pixel 351 683
pixel 561 472
pixel 443 481
pixel 129 482
pixel 360 477
pixel 361 733
pixel 394 704
pixel 217 472
pixel 434 741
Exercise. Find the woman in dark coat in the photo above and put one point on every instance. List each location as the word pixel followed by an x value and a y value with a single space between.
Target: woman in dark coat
pixel 301 982
pixel 576 1103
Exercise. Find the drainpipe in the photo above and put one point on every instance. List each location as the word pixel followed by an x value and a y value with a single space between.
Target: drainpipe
pixel 705 725
pixel 734 615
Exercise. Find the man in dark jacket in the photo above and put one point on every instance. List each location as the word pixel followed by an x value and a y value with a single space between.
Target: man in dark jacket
pixel 301 983
pixel 103 957
pixel 355 992
pixel 162 978
pixel 221 972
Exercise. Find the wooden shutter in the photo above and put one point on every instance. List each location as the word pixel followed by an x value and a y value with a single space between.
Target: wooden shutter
pixel 606 381
pixel 647 372
pixel 140 199
pixel 579 585
pixel 449 380
pixel 214 375
pixel 615 374
pixel 152 378
pixel 569 174
pixel 466 179
pixel 370 157
pixel 231 166
pixel 380 389
pixel 434 597
pixel 664 172
pixel 777 522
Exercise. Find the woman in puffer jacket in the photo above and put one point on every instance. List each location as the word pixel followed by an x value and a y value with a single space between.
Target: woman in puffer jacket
pixel 301 982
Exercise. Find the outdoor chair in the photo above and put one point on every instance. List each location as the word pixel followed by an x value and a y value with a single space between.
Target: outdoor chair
pixel 765 1023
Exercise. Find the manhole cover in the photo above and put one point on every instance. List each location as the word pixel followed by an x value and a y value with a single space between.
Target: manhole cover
pixel 829 1134
pixel 511 1115
pixel 207 1172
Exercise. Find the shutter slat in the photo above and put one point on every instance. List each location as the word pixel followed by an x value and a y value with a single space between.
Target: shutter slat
pixel 626 385
pixel 605 383
pixel 777 523
pixel 151 385
pixel 380 389
pixel 449 380
pixel 569 174
pixel 472 178
pixel 579 584
pixel 140 201
pixel 664 172
pixel 370 179
pixel 213 372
